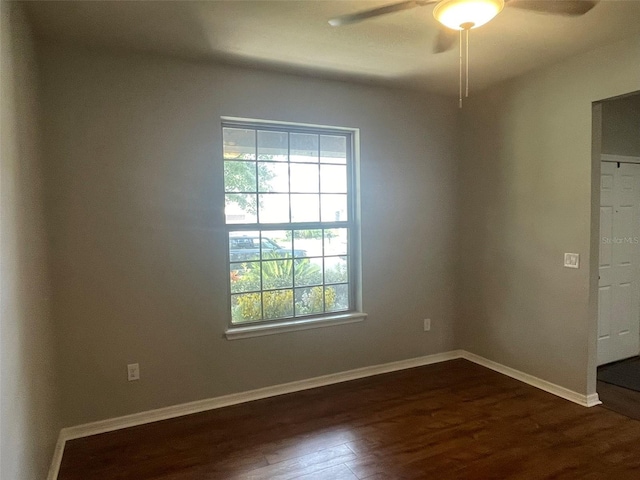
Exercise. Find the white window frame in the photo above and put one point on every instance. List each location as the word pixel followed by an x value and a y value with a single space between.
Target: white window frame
pixel 355 313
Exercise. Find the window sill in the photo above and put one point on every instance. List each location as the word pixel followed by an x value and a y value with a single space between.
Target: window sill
pixel 238 332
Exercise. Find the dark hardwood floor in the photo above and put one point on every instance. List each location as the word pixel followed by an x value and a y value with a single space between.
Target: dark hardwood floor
pixel 453 420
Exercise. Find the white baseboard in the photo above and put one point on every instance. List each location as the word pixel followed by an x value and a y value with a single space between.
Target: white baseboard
pixel 174 411
pixel 592 400
pixel 165 413
pixel 575 397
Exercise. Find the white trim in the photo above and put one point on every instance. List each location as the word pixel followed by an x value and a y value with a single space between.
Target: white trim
pixel 174 411
pixel 592 400
pixel 258 330
pixel 262 121
pixel 351 224
pixel 57 457
pixel 562 392
pixel 605 157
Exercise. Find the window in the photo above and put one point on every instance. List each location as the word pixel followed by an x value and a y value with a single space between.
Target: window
pixel 290 219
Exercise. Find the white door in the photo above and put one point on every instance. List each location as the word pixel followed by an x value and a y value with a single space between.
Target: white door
pixel 619 286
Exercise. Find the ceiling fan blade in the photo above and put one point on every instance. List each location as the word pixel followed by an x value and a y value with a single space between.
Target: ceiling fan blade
pixel 360 16
pixel 555 7
pixel 445 40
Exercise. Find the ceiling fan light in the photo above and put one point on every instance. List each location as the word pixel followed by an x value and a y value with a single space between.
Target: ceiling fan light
pixel 455 13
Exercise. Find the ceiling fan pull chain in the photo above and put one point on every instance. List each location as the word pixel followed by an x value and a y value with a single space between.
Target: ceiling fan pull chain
pixel 460 79
pixel 467 30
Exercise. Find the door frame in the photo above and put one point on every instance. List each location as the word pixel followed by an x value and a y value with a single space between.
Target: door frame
pixel 594 241
pixel 606 157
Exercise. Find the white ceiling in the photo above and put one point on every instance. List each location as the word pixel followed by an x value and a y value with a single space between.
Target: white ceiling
pixel 294 36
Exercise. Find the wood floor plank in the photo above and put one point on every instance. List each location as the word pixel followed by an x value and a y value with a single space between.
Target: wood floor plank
pixel 310 463
pixel 299 445
pixel 338 472
pixel 453 420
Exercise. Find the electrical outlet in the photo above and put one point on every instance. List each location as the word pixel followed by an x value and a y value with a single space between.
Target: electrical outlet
pixel 427 324
pixel 133 371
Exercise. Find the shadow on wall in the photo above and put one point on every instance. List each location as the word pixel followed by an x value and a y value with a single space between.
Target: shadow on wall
pixel 29 413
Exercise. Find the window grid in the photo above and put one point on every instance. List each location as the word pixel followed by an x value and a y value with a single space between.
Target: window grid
pixel 295 228
pixel 294 286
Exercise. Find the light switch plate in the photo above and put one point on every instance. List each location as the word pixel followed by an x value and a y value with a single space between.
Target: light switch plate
pixel 572 260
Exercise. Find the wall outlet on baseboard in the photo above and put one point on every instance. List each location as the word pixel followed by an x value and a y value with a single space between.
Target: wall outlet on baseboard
pixel 427 324
pixel 133 371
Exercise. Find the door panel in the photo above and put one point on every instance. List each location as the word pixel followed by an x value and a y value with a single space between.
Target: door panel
pixel 619 285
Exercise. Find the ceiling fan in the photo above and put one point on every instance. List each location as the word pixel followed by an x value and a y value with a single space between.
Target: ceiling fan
pixel 464 15
pixel 454 14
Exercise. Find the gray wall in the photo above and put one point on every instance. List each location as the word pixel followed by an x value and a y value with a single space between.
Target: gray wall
pixel 621 126
pixel 526 193
pixel 28 409
pixel 134 189
pixel 135 220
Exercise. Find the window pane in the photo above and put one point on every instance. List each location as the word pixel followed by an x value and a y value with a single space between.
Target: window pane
pixel 277 273
pixel 245 277
pixel 276 244
pixel 240 208
pixel 305 207
pixel 239 176
pixel 309 301
pixel 304 178
pixel 333 208
pixel 278 304
pixel 333 149
pixel 244 246
pixel 273 177
pixel 307 243
pixel 335 270
pixel 335 241
pixel 246 307
pixel 333 179
pixel 273 146
pixel 274 208
pixel 336 298
pixel 239 144
pixel 304 147
pixel 308 272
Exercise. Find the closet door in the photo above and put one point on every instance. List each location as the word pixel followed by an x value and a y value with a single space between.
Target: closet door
pixel 619 285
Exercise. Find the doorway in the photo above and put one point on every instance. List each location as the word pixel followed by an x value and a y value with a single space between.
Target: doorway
pixel 618 337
